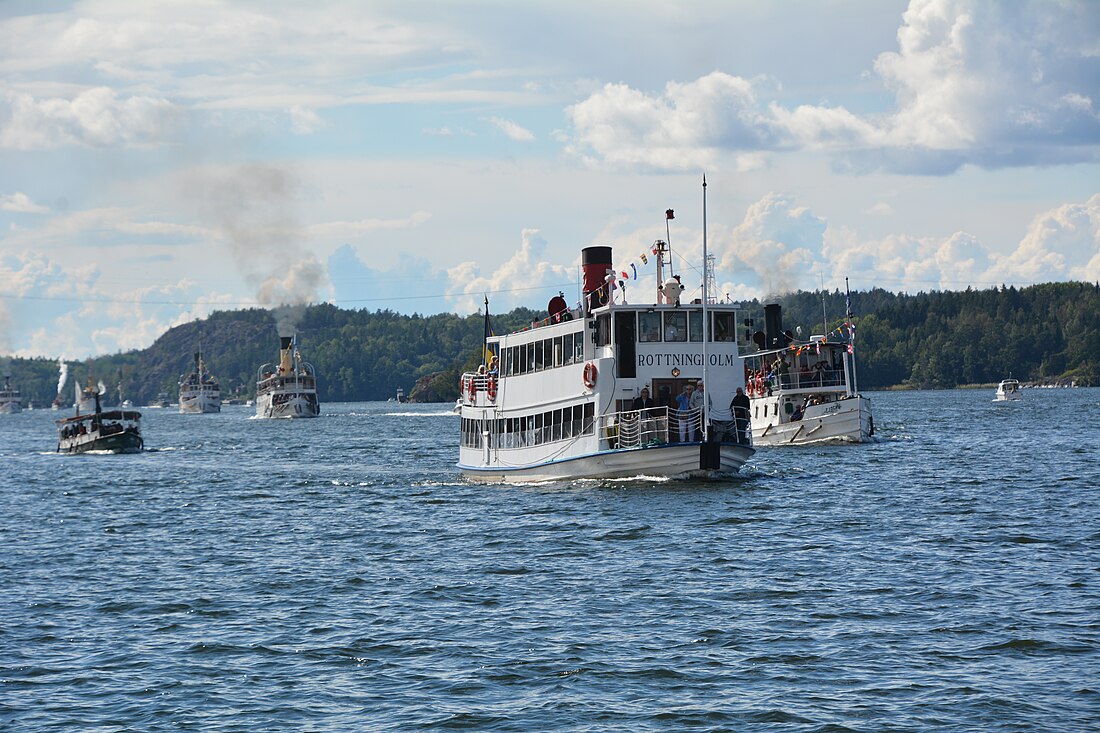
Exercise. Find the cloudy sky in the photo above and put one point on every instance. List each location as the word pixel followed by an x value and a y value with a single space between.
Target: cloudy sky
pixel 162 160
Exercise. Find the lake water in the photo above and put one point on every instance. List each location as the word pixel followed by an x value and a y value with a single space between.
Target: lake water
pixel 334 575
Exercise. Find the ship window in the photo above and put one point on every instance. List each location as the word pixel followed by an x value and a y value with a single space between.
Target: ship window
pixel 578 348
pixel 649 326
pixel 695 326
pixel 567 349
pixel 723 327
pixel 539 363
pixel 538 429
pixel 528 438
pixel 556 435
pixel 603 330
pixel 676 326
pixel 567 423
pixel 530 357
pixel 558 351
pixel 589 417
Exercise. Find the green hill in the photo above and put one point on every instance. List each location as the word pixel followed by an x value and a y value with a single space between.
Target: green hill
pixel 1045 332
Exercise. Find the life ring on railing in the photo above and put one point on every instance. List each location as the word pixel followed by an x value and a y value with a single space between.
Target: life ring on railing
pixel 471 390
pixel 591 374
pixel 491 389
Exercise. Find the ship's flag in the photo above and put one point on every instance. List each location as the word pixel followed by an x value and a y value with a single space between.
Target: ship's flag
pixel 634 270
pixel 645 260
pixel 490 349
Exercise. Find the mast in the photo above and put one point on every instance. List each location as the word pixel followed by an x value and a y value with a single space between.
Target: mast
pixel 669 216
pixel 854 388
pixel 706 322
pixel 824 318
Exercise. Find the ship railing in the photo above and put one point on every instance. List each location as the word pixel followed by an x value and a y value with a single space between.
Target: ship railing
pixel 636 428
pixel 475 384
pixel 801 380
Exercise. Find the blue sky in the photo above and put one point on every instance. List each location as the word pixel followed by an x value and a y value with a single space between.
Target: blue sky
pixel 159 161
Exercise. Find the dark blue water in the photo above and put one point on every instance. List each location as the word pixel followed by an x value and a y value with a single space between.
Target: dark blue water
pixel 333 575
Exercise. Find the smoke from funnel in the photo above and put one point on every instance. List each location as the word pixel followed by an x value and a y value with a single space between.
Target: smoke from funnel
pixel 253 205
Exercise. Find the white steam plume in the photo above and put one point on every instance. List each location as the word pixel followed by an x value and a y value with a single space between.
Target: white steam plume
pixel 63 375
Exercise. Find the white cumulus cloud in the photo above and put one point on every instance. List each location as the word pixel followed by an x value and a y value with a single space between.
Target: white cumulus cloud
pixel 973 81
pixel 94 117
pixel 516 282
pixel 512 130
pixel 20 202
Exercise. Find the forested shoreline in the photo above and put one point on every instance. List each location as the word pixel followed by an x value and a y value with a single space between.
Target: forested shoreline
pixel 941 339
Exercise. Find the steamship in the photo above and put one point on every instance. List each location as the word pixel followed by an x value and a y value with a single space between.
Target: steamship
pixel 291 389
pixel 199 390
pixel 557 401
pixel 803 392
pixel 114 431
pixel 10 401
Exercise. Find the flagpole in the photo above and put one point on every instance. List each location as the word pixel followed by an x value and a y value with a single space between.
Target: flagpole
pixel 706 321
pixel 851 334
pixel 669 215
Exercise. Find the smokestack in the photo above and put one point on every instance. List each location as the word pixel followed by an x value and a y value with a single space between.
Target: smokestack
pixel 773 326
pixel 286 349
pixel 595 262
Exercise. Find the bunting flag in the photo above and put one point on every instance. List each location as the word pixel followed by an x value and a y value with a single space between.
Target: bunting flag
pixel 634 270
pixel 645 260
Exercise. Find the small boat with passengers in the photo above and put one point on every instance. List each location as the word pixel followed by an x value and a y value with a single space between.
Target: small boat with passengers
pixel 570 397
pixel 113 431
pixel 291 389
pixel 1008 390
pixel 804 392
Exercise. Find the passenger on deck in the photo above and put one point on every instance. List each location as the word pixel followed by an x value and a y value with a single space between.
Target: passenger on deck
pixel 683 404
pixel 739 407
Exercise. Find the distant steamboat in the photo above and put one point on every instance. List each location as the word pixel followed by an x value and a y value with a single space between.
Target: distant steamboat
pixel 199 391
pixel 10 400
pixel 290 390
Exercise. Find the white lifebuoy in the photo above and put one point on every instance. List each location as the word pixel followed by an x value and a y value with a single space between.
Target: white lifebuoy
pixel 471 389
pixel 491 389
pixel 591 374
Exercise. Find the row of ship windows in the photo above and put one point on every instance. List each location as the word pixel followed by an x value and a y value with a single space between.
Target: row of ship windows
pixel 520 432
pixel 675 326
pixel 539 355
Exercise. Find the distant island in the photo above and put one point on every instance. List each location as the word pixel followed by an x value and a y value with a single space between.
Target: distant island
pixel 1048 333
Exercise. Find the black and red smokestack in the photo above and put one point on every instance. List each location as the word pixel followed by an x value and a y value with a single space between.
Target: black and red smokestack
pixel 595 262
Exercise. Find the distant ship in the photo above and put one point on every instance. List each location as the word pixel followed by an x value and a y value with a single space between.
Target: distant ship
pixel 804 392
pixel 85 400
pixel 9 398
pixel 199 391
pixel 1008 390
pixel 291 389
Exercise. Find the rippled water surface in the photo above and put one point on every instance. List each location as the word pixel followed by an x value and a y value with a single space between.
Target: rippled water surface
pixel 334 575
